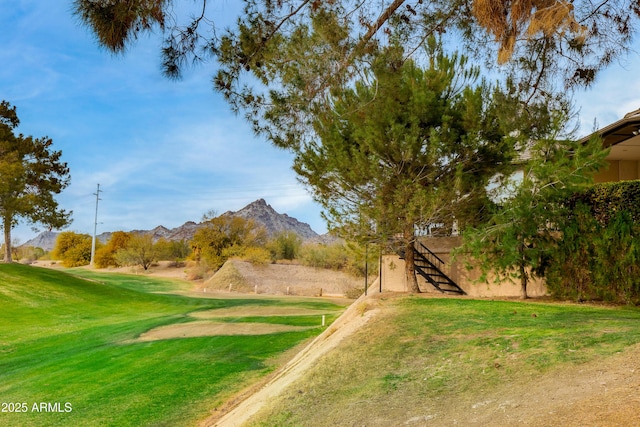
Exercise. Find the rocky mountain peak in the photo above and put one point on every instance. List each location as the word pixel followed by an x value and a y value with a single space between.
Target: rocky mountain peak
pixel 262 213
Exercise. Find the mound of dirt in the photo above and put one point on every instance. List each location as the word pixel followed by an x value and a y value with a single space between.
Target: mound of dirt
pixel 228 278
pixel 281 279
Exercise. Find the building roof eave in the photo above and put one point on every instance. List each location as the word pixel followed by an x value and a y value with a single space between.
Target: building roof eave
pixel 617 132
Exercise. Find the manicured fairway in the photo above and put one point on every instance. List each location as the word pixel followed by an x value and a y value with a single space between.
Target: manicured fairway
pixel 69 355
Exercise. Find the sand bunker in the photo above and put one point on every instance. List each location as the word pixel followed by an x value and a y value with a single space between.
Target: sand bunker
pixel 207 329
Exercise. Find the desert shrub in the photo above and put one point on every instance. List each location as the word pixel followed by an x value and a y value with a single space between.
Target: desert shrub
pixel 27 254
pixel 195 271
pixel 285 245
pixel 224 237
pixel 257 255
pixel 173 250
pixel 140 250
pixel 104 258
pixel 347 257
pixel 353 293
pixel 106 255
pixel 323 256
pixel 73 249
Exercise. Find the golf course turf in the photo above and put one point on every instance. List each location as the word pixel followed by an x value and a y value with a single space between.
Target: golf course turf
pixel 69 353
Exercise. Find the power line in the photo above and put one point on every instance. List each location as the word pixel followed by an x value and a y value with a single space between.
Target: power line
pixel 95 227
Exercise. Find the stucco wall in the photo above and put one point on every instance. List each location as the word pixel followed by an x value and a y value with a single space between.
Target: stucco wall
pixel 393 278
pixel 619 170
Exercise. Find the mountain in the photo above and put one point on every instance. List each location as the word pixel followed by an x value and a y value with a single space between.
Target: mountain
pixel 261 212
pixel 272 221
pixel 45 240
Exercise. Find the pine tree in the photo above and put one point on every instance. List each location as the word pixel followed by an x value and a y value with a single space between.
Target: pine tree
pixel 31 173
pixel 407 148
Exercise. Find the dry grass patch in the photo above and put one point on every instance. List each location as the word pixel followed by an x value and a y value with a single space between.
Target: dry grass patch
pixel 210 329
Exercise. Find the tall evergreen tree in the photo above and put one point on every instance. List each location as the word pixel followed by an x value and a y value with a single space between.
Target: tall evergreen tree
pixel 31 173
pixel 407 148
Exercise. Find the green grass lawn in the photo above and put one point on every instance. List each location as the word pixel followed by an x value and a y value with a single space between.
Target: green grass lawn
pixel 67 341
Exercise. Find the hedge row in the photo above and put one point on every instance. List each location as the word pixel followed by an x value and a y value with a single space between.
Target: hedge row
pixel 607 199
pixel 598 257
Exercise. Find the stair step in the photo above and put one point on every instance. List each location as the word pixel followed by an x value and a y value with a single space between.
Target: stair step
pixel 433 275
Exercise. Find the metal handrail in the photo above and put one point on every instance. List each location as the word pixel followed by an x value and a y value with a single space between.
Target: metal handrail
pixel 430 253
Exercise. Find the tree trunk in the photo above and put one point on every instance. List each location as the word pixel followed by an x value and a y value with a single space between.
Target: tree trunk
pixel 409 260
pixel 523 274
pixel 523 285
pixel 6 225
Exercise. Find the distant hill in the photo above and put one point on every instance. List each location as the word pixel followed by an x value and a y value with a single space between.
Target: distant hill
pixel 44 240
pixel 261 212
pixel 272 221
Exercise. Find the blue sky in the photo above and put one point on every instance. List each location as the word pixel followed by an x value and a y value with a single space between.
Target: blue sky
pixel 166 152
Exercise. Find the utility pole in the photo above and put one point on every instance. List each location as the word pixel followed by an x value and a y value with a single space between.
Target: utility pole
pixel 95 227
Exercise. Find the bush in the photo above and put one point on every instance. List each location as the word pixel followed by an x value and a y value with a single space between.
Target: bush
pixel 140 250
pixel 73 249
pixel 106 255
pixel 605 200
pixel 256 255
pixel 285 245
pixel 332 257
pixel 224 237
pixel 27 254
pixel 173 250
pixel 349 257
pixel 598 257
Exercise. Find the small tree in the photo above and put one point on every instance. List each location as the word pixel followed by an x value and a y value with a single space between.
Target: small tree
pixel 139 250
pixel 173 250
pixel 223 237
pixel 106 255
pixel 27 253
pixel 521 234
pixel 407 147
pixel 285 245
pixel 73 249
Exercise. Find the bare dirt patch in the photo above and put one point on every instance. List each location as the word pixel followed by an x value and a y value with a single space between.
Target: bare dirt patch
pixel 206 328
